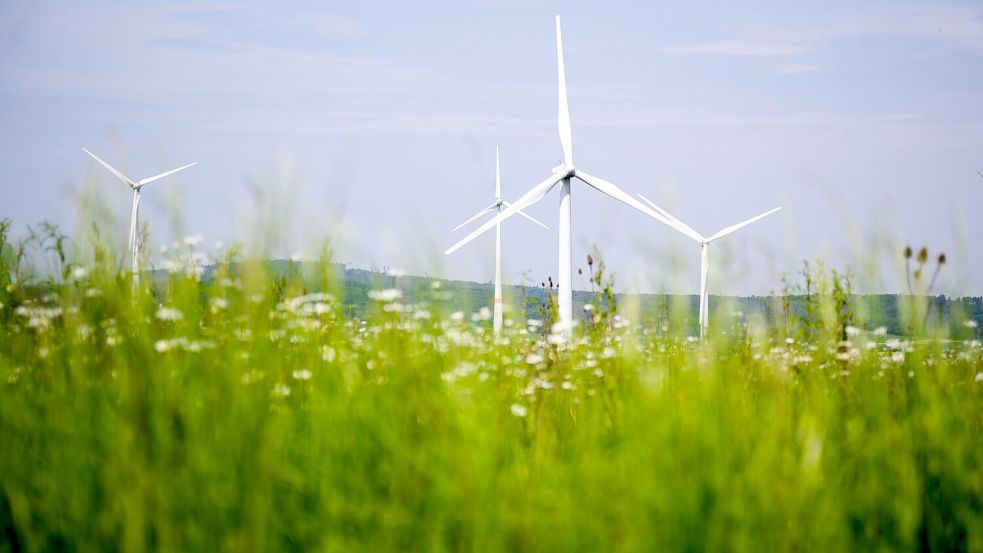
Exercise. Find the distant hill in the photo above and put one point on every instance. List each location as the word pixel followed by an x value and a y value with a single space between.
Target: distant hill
pixel 353 286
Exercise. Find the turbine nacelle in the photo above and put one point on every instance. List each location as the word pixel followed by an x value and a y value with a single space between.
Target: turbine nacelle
pixel 565 170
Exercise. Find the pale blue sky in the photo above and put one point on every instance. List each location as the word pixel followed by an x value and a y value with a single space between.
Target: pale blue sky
pixel 377 124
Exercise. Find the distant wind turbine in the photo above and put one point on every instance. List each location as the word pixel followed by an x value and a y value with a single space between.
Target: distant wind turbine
pixel 497 206
pixel 134 241
pixel 562 173
pixel 704 243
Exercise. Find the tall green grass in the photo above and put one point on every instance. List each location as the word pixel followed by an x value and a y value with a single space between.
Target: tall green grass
pixel 252 412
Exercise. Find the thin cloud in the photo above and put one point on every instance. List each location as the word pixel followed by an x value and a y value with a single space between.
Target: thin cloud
pixel 753 49
pixel 955 26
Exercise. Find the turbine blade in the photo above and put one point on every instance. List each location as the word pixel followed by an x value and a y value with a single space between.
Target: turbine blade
pixel 498 177
pixel 162 175
pixel 676 223
pixel 475 216
pixel 527 216
pixel 727 230
pixel 620 195
pixel 535 194
pixel 563 115
pixel 126 180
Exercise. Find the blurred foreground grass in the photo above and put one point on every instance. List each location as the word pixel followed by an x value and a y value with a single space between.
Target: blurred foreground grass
pixel 254 413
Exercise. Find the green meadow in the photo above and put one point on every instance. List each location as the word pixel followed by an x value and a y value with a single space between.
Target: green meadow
pixel 256 410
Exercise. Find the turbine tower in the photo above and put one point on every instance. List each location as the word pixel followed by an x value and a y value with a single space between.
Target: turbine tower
pixel 704 243
pixel 497 206
pixel 134 241
pixel 563 173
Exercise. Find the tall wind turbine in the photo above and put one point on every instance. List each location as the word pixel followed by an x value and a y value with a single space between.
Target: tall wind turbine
pixel 563 173
pixel 704 243
pixel 497 206
pixel 134 241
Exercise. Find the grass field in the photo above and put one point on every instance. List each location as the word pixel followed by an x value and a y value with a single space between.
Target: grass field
pixel 254 413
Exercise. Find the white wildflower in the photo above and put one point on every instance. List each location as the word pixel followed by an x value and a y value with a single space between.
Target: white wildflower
pixel 557 338
pixel 897 357
pixel 161 346
pixel 534 358
pixel 880 331
pixel 193 240
pixel 389 294
pixel 852 330
pixel 169 314
pixel 971 324
pixel 457 316
pixel 607 352
pixel 302 374
pixel 78 273
pixel 327 353
pixel 518 410
pixel 396 308
pixel 281 390
pixel 979 377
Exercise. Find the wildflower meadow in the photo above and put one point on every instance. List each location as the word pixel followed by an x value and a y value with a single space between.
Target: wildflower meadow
pixel 219 405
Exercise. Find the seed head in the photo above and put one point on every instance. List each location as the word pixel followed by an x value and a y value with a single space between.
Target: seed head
pixel 942 258
pixel 923 255
pixel 590 260
pixel 907 252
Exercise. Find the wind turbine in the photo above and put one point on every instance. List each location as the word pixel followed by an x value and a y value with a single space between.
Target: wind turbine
pixel 134 241
pixel 704 243
pixel 563 173
pixel 497 206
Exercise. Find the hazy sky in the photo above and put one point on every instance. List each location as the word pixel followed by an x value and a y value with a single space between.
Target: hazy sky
pixel 376 125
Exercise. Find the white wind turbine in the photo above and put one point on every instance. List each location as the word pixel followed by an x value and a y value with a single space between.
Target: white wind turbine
pixel 704 243
pixel 134 241
pixel 497 206
pixel 562 173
